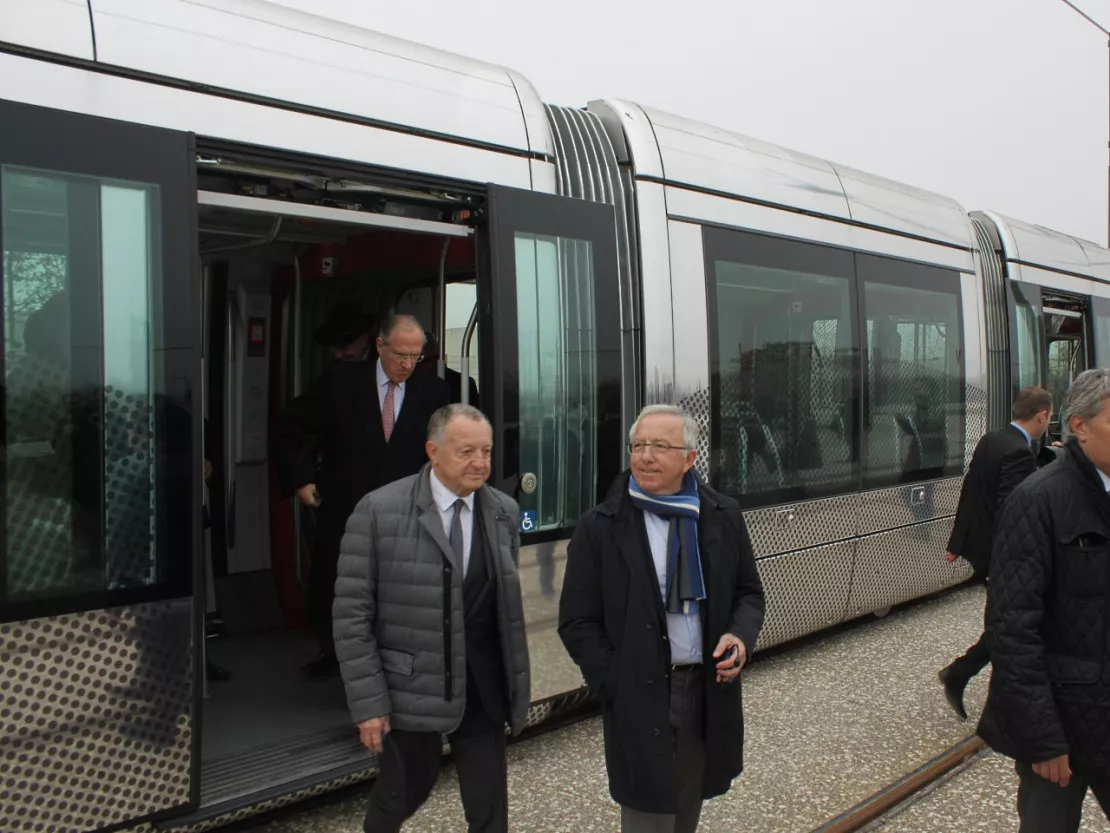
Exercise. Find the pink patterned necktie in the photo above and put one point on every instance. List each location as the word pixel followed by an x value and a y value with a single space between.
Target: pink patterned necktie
pixel 387 411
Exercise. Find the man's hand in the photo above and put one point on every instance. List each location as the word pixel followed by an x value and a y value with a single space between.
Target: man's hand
pixel 1057 770
pixel 308 495
pixel 950 557
pixel 734 656
pixel 372 733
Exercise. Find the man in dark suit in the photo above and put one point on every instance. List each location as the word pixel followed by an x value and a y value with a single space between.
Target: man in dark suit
pixel 1002 459
pixel 453 378
pixel 370 420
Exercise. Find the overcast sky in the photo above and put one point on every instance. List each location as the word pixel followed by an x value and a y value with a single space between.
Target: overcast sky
pixel 1001 104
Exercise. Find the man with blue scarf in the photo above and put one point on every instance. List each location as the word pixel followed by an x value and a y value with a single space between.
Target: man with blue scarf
pixel 661 607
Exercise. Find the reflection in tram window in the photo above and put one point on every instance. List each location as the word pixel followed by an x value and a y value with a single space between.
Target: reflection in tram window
pixel 1028 336
pixel 915 411
pixel 558 376
pixel 78 410
pixel 1101 308
pixel 783 410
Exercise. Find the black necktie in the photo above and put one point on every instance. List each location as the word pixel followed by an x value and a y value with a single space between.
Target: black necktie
pixel 456 536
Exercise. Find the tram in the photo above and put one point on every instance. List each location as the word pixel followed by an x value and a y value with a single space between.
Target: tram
pixel 186 188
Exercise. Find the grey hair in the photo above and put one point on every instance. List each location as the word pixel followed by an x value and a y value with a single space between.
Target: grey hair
pixel 690 429
pixel 437 425
pixel 1086 397
pixel 400 321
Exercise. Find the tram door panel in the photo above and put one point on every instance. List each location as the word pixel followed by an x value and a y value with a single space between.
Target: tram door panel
pixel 556 331
pixel 101 468
pixel 548 308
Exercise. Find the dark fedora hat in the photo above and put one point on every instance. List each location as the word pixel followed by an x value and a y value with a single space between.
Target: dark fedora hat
pixel 345 322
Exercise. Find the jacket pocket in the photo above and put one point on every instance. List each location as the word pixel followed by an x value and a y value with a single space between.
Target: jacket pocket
pixel 1065 670
pixel 1081 565
pixel 396 662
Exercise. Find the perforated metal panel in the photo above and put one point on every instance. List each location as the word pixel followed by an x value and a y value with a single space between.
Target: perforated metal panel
pixel 796 526
pixel 805 591
pixel 977 416
pixel 889 508
pixel 95 717
pixel 698 405
pixel 894 567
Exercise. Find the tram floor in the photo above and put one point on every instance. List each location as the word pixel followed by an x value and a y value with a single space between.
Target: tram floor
pixel 829 723
pixel 268 721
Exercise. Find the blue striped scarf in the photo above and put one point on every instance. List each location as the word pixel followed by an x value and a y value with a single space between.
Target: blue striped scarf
pixel 685 582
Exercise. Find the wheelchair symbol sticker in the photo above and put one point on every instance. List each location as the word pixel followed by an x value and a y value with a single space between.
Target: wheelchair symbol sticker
pixel 528 521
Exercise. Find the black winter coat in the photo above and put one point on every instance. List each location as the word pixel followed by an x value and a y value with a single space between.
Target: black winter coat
pixel 1048 611
pixel 613 624
pixel 1002 459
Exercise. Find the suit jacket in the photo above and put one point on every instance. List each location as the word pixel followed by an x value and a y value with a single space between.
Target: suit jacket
pixel 1002 459
pixel 342 413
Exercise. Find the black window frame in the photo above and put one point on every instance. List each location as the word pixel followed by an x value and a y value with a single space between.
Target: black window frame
pixel 89 146
pixel 769 251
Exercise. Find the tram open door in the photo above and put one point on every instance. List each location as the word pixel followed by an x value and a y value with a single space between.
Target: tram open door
pixel 101 470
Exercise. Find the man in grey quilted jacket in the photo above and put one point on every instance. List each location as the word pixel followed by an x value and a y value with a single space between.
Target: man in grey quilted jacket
pixel 429 627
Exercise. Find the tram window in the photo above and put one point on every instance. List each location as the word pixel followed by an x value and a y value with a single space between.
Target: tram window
pixel 461 298
pixel 80 258
pixel 1101 309
pixel 558 377
pixel 914 411
pixel 783 356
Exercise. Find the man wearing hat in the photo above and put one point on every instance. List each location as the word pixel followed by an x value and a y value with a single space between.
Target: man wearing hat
pixel 347 332
pixel 370 421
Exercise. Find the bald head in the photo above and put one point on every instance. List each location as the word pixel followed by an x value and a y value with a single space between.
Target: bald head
pixel 400 346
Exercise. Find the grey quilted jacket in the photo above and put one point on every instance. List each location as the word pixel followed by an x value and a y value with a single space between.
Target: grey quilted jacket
pixel 398 610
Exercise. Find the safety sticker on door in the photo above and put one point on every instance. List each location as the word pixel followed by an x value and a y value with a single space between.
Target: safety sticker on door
pixel 528 521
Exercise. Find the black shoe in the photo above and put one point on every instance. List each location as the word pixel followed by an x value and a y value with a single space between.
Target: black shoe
pixel 214 626
pixel 953 690
pixel 324 665
pixel 216 672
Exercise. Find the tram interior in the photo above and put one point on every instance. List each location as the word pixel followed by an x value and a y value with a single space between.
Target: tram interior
pixel 264 721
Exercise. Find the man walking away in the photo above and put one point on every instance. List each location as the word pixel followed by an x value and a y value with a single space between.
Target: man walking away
pixel 1002 459
pixel 661 607
pixel 429 627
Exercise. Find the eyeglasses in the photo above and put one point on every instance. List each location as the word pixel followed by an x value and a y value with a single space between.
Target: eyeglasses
pixel 638 448
pixel 415 358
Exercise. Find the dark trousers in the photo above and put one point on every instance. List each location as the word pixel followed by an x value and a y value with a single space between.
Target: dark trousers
pixel 1045 807
pixel 330 525
pixel 975 660
pixel 687 712
pixel 978 655
pixel 409 766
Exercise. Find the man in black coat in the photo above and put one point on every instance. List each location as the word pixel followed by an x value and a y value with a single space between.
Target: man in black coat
pixel 371 422
pixel 1002 459
pixel 1048 612
pixel 661 607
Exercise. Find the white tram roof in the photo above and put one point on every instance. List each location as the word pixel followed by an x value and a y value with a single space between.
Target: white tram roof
pixel 683 152
pixel 1043 247
pixel 262 49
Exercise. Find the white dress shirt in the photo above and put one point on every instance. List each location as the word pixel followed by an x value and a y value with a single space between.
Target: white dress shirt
pixel 683 629
pixel 444 500
pixel 383 389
